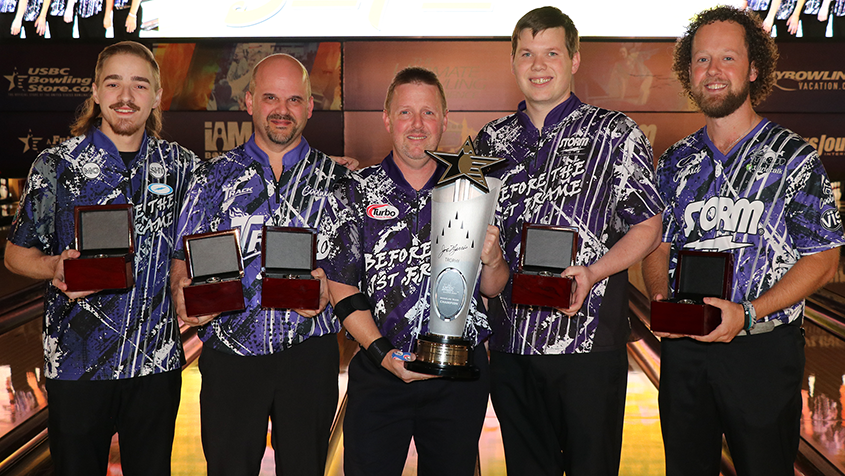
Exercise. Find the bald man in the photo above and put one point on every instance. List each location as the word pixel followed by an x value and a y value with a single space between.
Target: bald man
pixel 265 363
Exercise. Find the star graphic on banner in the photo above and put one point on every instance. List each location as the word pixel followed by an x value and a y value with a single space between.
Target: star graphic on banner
pixel 465 164
pixel 30 142
pixel 12 79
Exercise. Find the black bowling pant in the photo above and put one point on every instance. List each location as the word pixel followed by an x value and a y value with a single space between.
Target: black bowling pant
pixel 444 417
pixel 295 388
pixel 561 412
pixel 85 414
pixel 748 389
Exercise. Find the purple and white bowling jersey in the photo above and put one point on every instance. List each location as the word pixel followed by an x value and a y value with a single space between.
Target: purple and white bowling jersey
pixel 812 7
pixel 786 9
pixel 768 202
pixel 88 8
pixel 57 8
pixel 238 190
pixel 588 168
pixel 376 235
pixel 8 6
pixel 758 5
pixel 111 334
pixel 33 8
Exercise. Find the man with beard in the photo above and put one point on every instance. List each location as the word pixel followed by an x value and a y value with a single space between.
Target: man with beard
pixel 112 358
pixel 379 271
pixel 265 363
pixel 749 187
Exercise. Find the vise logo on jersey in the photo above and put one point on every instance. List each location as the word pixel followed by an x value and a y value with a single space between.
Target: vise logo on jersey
pixel 727 217
pixel 382 211
pixel 830 220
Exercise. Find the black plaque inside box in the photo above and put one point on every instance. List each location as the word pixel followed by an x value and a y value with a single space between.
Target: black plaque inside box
pixel 288 257
pixel 216 268
pixel 106 242
pixel 545 252
pixel 699 274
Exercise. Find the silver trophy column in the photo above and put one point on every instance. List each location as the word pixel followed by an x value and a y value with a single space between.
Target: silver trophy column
pixel 462 206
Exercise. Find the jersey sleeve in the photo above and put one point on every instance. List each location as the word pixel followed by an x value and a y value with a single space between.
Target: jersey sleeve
pixel 813 220
pixel 634 176
pixel 34 223
pixel 196 214
pixel 339 249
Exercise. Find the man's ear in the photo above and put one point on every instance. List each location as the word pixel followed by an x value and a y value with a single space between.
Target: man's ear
pixel 248 102
pixel 386 118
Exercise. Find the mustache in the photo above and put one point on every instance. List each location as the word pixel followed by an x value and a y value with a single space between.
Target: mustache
pixel 281 117
pixel 125 104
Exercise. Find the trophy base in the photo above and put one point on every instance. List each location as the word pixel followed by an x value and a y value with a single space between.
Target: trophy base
pixel 283 293
pixel 98 274
pixel 446 357
pixel 688 319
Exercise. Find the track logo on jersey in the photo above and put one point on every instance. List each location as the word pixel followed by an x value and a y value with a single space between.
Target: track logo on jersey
pixel 157 170
pixel 160 188
pixel 382 211
pixel 91 170
pixel 830 220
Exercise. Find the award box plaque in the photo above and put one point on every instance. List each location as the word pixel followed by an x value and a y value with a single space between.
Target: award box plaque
pixel 215 268
pixel 106 240
pixel 287 258
pixel 699 274
pixel 545 252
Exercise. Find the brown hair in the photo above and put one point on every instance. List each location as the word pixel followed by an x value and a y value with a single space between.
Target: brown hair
pixel 415 75
pixel 762 51
pixel 543 18
pixel 89 113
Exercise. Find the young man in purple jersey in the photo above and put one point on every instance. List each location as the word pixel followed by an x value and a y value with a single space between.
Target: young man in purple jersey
pixel 263 363
pixel 559 375
pixel 381 262
pixel 749 187
pixel 113 358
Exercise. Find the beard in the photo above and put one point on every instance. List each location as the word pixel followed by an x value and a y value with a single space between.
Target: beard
pixel 281 138
pixel 721 107
pixel 124 127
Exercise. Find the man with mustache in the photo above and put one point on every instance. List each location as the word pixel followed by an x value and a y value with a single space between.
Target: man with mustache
pixel 112 358
pixel 745 186
pixel 262 363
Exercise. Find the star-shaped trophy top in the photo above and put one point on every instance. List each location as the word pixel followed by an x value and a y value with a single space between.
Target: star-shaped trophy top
pixel 465 164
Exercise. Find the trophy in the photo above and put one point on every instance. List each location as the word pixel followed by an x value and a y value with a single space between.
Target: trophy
pixel 287 258
pixel 106 240
pixel 545 252
pixel 698 275
pixel 462 207
pixel 215 268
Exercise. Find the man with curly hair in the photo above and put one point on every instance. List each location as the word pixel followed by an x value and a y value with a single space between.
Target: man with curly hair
pixel 749 187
